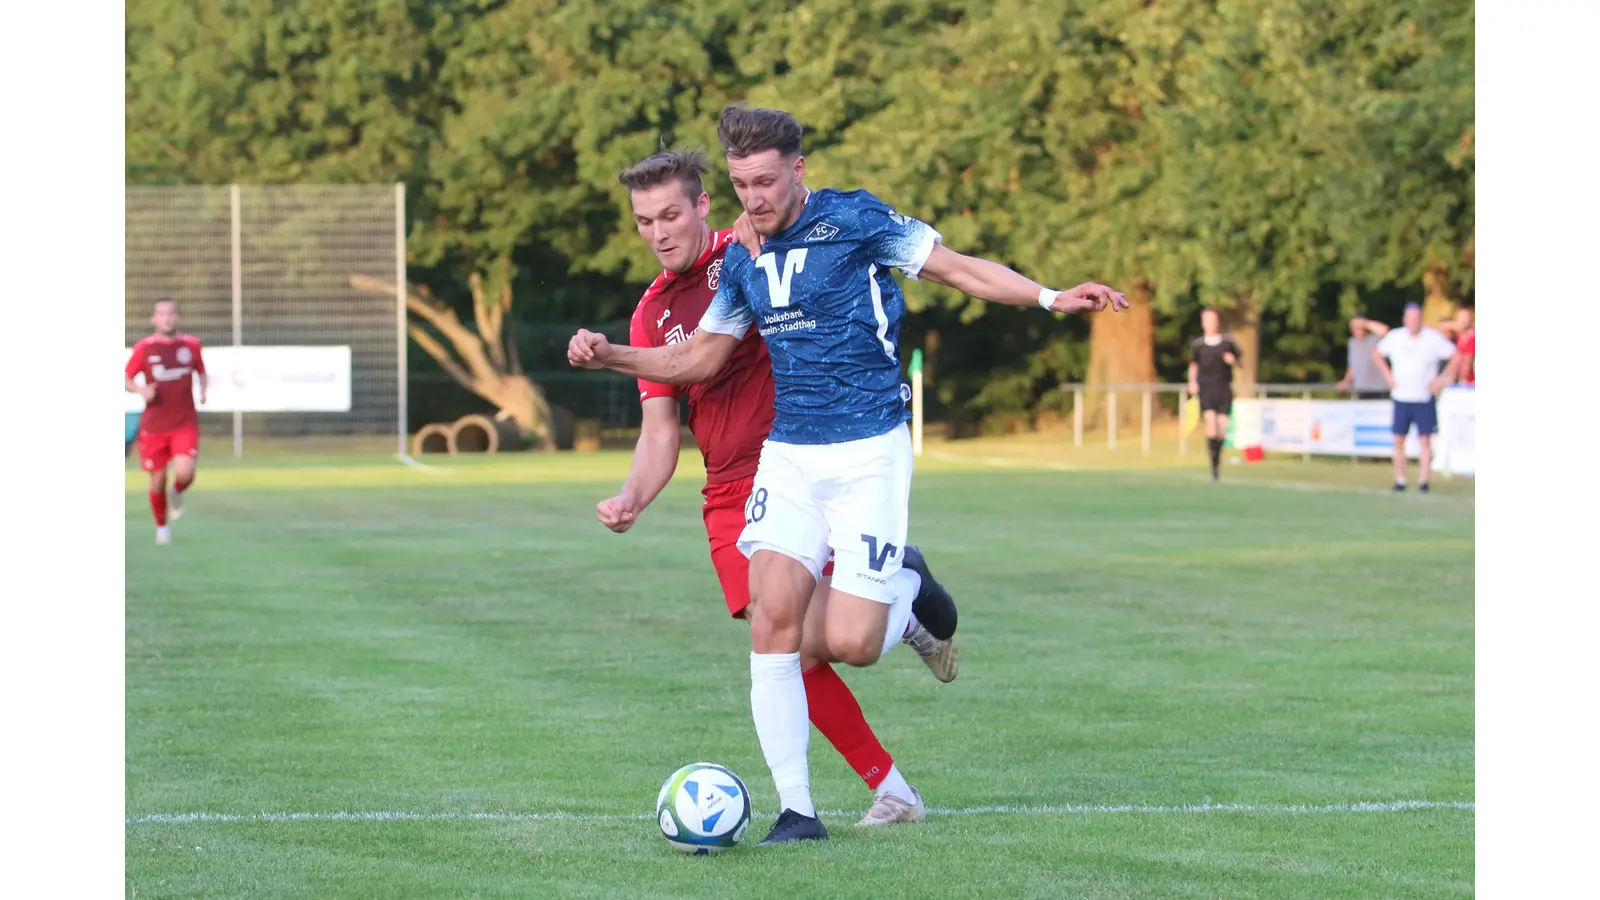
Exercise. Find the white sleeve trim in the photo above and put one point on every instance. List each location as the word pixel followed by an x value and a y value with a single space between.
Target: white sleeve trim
pixel 924 250
pixel 718 325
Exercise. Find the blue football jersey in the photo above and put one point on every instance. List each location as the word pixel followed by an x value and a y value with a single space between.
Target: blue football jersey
pixel 823 298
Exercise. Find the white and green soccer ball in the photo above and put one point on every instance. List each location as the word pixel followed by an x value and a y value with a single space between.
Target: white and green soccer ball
pixel 703 808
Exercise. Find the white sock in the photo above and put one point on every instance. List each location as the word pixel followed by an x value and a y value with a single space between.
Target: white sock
pixel 778 703
pixel 895 784
pixel 905 584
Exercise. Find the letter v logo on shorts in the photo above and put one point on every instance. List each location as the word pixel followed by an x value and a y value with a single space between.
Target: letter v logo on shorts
pixel 875 559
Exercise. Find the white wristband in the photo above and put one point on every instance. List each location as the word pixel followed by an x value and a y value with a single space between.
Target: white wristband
pixel 1047 297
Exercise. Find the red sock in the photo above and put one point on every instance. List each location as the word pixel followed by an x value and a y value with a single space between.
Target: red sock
pixel 158 505
pixel 838 716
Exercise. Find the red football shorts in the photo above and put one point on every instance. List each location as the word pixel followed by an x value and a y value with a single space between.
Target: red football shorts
pixel 157 450
pixel 724 515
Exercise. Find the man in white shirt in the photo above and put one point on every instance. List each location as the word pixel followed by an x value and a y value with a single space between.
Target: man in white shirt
pixel 1412 371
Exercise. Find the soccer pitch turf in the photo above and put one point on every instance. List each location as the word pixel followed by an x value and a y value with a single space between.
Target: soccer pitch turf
pixel 351 678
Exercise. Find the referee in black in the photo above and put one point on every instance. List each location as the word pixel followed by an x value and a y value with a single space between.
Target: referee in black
pixel 1211 361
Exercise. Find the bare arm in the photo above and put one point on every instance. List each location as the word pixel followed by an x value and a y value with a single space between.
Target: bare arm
pixel 993 282
pixel 1374 327
pixel 1383 367
pixel 200 370
pixel 685 362
pixel 655 459
pixel 1448 376
pixel 147 391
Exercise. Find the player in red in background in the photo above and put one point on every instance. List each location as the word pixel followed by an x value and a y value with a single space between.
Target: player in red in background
pixel 169 429
pixel 730 416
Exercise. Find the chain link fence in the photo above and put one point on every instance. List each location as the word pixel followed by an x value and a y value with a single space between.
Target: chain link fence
pixel 270 266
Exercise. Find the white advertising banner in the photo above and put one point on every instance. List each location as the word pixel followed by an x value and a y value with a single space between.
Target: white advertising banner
pixel 269 379
pixel 1333 427
pixel 1455 449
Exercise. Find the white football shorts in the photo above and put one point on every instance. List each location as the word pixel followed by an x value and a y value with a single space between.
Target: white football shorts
pixel 853 498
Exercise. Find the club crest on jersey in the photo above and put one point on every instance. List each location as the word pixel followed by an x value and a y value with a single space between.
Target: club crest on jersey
pixel 713 274
pixel 822 232
pixel 185 356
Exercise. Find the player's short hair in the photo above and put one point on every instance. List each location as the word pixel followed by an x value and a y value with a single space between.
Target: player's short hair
pixel 745 131
pixel 161 300
pixel 687 167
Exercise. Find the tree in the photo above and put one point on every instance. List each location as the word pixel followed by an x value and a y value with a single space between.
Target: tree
pixel 1272 160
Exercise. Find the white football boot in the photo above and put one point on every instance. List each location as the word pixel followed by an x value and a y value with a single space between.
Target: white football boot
pixel 889 809
pixel 163 534
pixel 939 656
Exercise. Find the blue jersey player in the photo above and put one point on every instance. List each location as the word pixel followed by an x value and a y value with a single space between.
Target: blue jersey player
pixel 836 470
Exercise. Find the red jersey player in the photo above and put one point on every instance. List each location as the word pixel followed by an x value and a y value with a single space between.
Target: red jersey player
pixel 730 416
pixel 169 429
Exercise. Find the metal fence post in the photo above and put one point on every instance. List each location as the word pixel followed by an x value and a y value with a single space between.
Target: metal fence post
pixel 1111 419
pixel 238 309
pixel 1077 418
pixel 1183 421
pixel 1144 422
pixel 400 307
pixel 1305 456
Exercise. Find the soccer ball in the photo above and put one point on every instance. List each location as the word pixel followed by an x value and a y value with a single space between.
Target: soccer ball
pixel 703 808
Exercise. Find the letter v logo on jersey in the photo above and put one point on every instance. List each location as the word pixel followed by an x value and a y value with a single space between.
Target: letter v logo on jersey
pixel 779 285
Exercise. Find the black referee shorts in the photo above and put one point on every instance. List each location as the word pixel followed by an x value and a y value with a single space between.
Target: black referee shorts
pixel 1217 399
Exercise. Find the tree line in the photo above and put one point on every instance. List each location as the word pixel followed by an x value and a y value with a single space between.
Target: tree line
pixel 1288 163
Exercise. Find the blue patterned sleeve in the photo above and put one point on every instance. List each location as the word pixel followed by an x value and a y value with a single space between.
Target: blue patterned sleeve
pixel 730 312
pixel 897 241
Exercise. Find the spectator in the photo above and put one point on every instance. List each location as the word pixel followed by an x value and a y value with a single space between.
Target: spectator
pixel 1415 353
pixel 1466 348
pixel 1361 375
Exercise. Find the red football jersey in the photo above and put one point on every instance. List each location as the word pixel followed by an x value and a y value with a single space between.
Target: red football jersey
pixel 170 365
pixel 731 414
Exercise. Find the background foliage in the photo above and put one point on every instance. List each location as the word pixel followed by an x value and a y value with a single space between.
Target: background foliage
pixel 1292 163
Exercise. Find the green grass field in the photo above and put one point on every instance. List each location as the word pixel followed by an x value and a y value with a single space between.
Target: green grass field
pixel 493 687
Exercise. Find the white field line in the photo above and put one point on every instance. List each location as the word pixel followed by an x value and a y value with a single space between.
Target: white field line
pixel 1071 809
pixel 414 463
